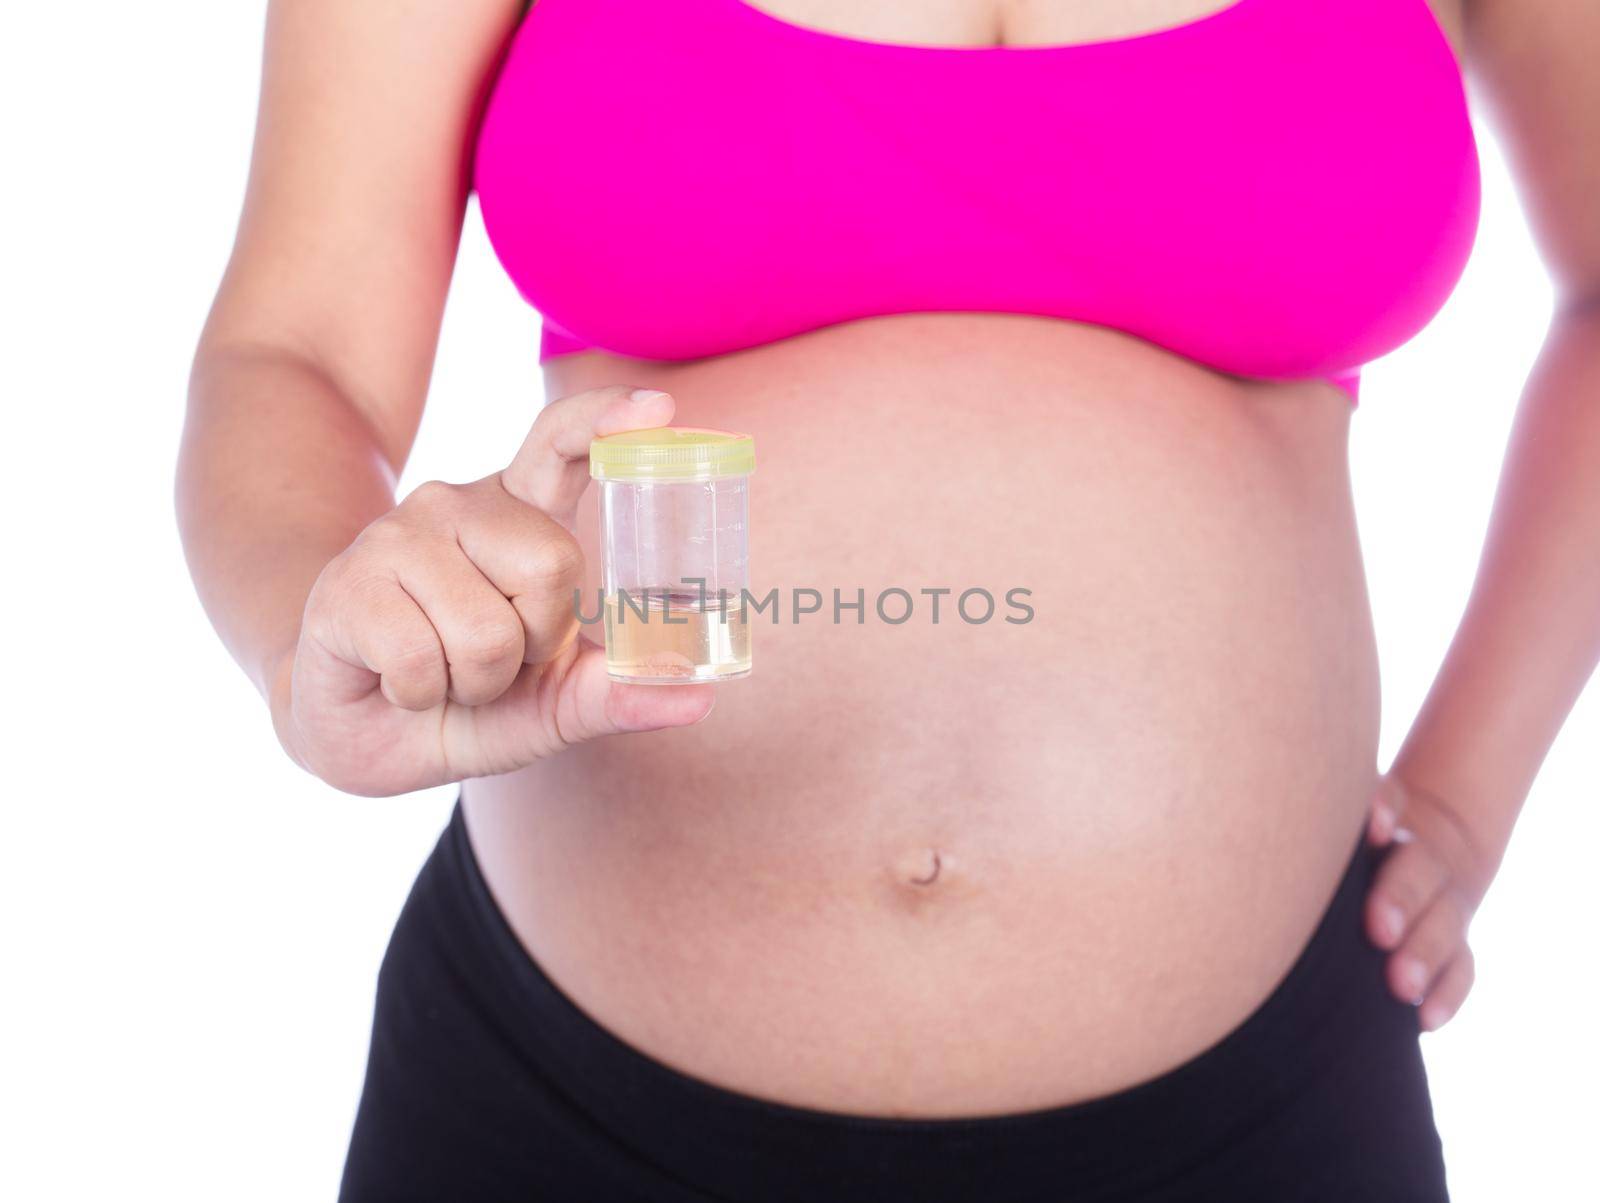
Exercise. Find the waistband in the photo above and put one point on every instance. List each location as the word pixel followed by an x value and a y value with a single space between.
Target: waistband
pixel 1136 1141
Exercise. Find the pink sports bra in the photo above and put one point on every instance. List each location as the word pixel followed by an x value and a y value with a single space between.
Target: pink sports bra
pixel 1284 189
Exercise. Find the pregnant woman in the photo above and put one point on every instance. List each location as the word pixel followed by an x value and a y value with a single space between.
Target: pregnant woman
pixel 1059 295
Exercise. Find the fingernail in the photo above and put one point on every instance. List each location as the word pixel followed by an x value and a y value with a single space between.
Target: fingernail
pixel 1391 923
pixel 641 396
pixel 1413 977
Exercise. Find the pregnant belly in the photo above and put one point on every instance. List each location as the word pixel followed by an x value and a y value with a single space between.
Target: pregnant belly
pixel 961 867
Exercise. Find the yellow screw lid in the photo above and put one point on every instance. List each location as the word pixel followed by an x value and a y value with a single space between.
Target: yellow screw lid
pixel 672 453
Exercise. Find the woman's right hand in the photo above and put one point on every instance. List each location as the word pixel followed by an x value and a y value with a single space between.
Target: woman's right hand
pixel 444 644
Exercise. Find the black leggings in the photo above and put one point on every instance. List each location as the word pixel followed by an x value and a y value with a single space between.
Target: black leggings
pixel 485 1082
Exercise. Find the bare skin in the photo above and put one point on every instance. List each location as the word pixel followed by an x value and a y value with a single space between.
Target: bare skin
pixel 942 870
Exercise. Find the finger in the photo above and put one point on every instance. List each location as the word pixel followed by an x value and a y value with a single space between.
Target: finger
pixel 590 704
pixel 570 702
pixel 1432 942
pixel 532 560
pixel 380 629
pixel 1388 801
pixel 477 627
pixel 1407 882
pixel 1448 993
pixel 551 469
pixel 1380 824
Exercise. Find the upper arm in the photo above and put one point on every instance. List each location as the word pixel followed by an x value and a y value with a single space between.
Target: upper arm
pixel 357 185
pixel 1533 63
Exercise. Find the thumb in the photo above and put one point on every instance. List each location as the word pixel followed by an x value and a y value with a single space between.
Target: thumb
pixel 551 469
pixel 590 704
pixel 569 701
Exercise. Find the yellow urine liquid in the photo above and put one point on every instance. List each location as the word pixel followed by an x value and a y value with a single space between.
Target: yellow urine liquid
pixel 701 642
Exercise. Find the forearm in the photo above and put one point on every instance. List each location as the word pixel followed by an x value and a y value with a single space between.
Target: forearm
pixel 278 473
pixel 1529 638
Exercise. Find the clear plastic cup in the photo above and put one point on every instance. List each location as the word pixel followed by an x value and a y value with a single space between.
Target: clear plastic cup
pixel 674 538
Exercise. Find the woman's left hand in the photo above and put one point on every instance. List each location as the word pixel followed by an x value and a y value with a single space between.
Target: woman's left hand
pixel 1426 892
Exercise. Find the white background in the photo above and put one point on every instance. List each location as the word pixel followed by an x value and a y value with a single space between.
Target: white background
pixel 192 926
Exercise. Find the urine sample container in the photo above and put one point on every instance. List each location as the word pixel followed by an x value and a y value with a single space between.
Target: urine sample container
pixel 674 539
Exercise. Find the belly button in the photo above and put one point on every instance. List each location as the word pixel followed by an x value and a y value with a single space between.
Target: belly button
pixel 920 867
